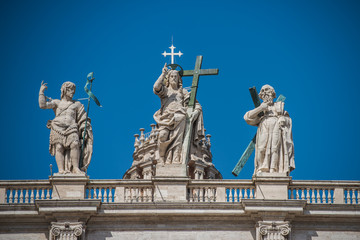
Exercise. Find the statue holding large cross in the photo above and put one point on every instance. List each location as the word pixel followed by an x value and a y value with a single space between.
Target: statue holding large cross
pixel 179 120
pixel 274 147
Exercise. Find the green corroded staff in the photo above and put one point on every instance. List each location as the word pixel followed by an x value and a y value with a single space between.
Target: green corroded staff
pixel 250 148
pixel 90 79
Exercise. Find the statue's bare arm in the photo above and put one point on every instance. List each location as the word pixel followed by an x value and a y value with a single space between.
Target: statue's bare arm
pixel 43 104
pixel 159 82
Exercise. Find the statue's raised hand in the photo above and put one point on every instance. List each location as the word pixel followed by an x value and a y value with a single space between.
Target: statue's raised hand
pixel 43 87
pixel 165 69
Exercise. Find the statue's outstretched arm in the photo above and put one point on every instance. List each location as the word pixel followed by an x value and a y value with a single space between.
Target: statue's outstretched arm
pixel 42 99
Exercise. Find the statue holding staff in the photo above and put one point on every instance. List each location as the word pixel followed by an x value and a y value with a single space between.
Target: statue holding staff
pixel 274 148
pixel 67 130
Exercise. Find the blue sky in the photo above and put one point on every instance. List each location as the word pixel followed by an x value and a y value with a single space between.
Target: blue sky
pixel 308 51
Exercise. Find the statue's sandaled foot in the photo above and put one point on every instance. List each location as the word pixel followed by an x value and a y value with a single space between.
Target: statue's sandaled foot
pixel 61 172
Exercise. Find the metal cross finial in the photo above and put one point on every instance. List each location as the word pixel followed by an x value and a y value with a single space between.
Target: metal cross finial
pixel 172 54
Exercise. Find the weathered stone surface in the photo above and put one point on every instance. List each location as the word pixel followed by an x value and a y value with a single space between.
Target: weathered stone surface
pixel 67 130
pixel 274 148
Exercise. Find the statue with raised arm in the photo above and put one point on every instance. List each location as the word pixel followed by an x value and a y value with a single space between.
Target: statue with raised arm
pixel 171 117
pixel 274 148
pixel 67 130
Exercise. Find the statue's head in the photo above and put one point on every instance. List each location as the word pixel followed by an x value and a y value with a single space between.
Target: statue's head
pixel 267 93
pixel 68 89
pixel 173 79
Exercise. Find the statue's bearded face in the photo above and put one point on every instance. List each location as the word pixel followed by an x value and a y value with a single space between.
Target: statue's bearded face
pixel 174 80
pixel 267 94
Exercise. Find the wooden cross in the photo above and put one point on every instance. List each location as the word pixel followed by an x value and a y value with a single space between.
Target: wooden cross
pixel 196 73
pixel 172 54
pixel 251 147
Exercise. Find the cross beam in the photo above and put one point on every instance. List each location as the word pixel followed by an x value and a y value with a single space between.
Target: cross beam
pixel 196 73
pixel 251 147
pixel 172 53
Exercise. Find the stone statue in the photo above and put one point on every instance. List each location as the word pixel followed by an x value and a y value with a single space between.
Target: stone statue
pixel 67 130
pixel 171 117
pixel 274 149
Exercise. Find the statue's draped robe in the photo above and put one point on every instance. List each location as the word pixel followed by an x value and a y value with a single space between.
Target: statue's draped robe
pixel 274 147
pixel 64 134
pixel 172 116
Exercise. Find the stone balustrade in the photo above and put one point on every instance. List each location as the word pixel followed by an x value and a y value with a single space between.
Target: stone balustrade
pixel 24 191
pixel 209 190
pixel 220 190
pixel 326 192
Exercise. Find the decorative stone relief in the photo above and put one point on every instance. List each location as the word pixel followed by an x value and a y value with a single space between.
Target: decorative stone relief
pixel 67 231
pixel 273 230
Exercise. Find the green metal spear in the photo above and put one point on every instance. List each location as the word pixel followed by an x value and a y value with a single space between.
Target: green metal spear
pixel 90 79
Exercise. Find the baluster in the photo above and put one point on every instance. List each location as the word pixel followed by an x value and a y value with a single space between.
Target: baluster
pixel 100 194
pixel 201 195
pixel 302 196
pixel 313 196
pixel 16 197
pixel 348 196
pixel 324 196
pixel 32 195
pixel 146 194
pixel 240 193
pixel 21 196
pixel 291 193
pixel 27 195
pixel 48 193
pixel 308 196
pixel 297 193
pixel 106 194
pixel 251 193
pixel 230 195
pixel 353 200
pixel 42 193
pixel 11 196
pixel 206 194
pixel 318 195
pixel 235 195
pixel 110 195
pixel 245 193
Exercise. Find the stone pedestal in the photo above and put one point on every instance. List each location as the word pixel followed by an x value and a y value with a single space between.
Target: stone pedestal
pixel 172 170
pixel 271 186
pixel 68 186
pixel 170 189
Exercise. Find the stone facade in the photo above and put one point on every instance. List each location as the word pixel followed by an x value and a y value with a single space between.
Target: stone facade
pixel 179 208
